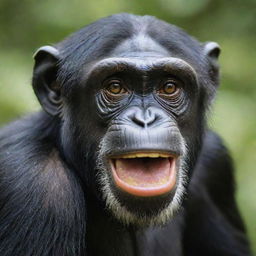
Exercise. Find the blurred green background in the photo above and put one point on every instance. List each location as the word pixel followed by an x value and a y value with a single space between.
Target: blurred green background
pixel 28 24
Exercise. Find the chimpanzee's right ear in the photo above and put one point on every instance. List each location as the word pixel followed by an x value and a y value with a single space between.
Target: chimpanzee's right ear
pixel 45 84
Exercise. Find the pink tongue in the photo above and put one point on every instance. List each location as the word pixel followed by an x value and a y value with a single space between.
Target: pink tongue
pixel 143 172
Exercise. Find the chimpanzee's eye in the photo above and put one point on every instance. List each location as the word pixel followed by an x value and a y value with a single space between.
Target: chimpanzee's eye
pixel 115 87
pixel 169 87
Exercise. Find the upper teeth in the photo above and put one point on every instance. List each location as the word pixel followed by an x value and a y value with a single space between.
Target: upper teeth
pixel 140 155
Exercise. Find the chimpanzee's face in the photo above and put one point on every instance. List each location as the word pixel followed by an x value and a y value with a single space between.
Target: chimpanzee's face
pixel 132 113
pixel 140 112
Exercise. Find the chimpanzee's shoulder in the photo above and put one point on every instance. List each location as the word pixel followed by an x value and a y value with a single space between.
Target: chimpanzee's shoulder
pixel 23 141
pixel 214 169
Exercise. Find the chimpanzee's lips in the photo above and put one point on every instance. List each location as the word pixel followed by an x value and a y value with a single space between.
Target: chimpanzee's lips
pixel 144 174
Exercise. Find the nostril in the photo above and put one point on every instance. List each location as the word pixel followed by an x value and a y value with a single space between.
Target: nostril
pixel 151 120
pixel 138 121
pixel 144 120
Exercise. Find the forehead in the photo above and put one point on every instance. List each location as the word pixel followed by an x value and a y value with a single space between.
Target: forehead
pixel 141 54
pixel 140 45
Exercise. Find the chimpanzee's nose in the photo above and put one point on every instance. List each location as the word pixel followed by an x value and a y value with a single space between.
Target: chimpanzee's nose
pixel 144 118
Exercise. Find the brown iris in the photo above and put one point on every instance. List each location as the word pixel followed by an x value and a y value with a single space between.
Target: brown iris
pixel 115 87
pixel 169 87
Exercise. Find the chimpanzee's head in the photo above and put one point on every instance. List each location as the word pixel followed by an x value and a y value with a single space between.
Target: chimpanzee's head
pixel 131 94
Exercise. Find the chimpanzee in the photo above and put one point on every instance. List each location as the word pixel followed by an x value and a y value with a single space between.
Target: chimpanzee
pixel 120 161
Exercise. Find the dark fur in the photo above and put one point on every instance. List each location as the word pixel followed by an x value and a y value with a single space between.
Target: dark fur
pixel 47 191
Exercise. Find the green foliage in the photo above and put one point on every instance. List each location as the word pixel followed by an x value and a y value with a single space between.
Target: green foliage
pixel 28 24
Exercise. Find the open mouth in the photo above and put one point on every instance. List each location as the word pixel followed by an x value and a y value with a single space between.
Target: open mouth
pixel 144 174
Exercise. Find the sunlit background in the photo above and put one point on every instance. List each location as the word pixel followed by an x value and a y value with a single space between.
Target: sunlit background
pixel 26 25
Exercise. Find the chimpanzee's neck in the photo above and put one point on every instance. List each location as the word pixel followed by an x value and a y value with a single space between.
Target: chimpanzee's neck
pixel 106 236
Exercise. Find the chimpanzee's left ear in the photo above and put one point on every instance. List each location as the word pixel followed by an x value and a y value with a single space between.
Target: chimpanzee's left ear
pixel 212 50
pixel 45 84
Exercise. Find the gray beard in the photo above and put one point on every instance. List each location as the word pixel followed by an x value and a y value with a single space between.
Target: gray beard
pixel 127 217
